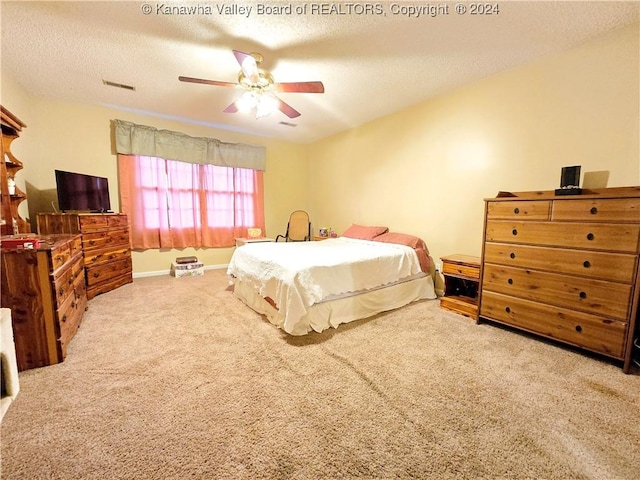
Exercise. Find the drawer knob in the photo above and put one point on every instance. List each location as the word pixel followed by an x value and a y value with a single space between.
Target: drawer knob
pixel 510 281
pixel 516 210
pixel 96 275
pixel 512 255
pixel 590 236
pixel 583 295
pixel 593 210
pixel 586 264
pixel 514 231
pixel 578 328
pixel 508 310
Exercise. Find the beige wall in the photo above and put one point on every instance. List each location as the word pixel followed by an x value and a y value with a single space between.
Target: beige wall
pixel 76 137
pixel 426 170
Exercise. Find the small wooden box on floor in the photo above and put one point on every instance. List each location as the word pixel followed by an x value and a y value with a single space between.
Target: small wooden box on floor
pixel 565 267
pixel 461 280
pixel 106 245
pixel 45 289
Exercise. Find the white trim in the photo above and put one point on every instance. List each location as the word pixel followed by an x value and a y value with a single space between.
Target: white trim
pixel 159 273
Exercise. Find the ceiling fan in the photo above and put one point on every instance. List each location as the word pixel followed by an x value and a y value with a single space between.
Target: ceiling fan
pixel 259 86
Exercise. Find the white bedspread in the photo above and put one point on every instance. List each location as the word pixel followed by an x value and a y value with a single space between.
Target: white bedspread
pixel 297 275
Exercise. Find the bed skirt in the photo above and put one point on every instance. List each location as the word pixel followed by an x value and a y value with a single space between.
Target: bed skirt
pixel 332 313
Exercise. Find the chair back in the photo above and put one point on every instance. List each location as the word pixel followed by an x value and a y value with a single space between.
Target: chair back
pixel 299 226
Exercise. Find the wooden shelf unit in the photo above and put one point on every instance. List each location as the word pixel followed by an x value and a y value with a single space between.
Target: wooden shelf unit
pixel 461 282
pixel 10 220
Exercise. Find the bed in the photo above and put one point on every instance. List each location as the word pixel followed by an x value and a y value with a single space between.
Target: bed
pixel 311 286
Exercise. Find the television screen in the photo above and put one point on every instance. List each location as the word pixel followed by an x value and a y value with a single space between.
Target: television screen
pixel 78 192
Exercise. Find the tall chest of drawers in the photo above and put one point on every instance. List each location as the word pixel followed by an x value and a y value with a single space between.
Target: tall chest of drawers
pixel 565 267
pixel 45 290
pixel 106 245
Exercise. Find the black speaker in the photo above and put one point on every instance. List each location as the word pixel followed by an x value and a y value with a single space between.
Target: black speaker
pixel 570 177
pixel 569 181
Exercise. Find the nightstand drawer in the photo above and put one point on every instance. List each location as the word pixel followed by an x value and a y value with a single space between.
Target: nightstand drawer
pixel 457 270
pixel 603 335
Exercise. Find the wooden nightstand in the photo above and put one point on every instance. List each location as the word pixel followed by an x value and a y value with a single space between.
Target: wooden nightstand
pixel 461 282
pixel 243 241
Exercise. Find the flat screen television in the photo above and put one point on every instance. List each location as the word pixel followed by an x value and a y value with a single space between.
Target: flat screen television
pixel 79 192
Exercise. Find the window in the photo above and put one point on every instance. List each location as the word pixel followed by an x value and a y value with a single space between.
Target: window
pixel 175 204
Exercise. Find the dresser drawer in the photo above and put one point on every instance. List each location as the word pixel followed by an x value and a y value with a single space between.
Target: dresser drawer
pixel 603 236
pixel 75 245
pixel 60 254
pixel 624 210
pixel 108 285
pixel 102 272
pixel 70 314
pixel 617 267
pixel 519 210
pixel 93 222
pixel 63 283
pixel 116 221
pixel 599 297
pixel 97 257
pixel 594 333
pixel 96 241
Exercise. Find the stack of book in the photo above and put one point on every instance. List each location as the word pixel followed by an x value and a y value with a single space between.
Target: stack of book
pixel 187 267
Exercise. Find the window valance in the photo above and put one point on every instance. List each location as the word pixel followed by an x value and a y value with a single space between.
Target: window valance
pixel 132 139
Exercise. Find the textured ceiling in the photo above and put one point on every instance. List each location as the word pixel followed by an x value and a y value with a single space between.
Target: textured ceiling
pixel 371 63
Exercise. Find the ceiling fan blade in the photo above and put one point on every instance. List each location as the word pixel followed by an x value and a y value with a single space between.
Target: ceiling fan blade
pixel 233 108
pixel 207 82
pixel 248 64
pixel 301 87
pixel 288 110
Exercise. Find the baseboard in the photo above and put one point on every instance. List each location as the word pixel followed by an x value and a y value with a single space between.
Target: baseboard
pixel 159 273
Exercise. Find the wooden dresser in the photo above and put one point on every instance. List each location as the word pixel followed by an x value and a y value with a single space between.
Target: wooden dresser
pixel 45 289
pixel 106 245
pixel 565 267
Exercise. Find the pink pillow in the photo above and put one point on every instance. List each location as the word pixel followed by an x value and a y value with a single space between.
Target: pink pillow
pixel 364 233
pixel 403 239
pixel 410 241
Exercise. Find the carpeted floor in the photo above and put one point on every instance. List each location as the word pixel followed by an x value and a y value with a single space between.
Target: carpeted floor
pixel 176 378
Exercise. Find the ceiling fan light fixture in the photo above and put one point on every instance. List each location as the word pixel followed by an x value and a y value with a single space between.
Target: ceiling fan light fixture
pixel 248 101
pixel 267 104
